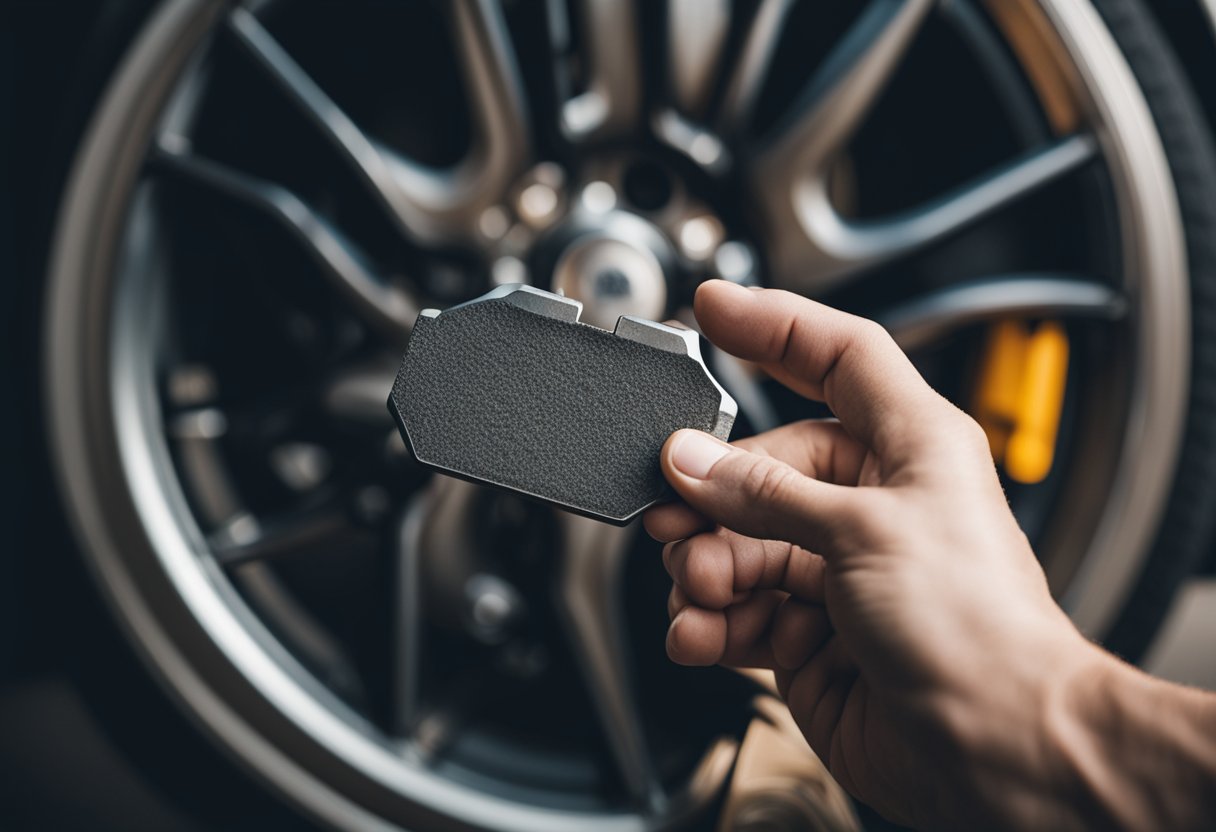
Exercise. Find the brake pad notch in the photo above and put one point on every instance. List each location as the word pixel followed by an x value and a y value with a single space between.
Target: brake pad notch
pixel 511 390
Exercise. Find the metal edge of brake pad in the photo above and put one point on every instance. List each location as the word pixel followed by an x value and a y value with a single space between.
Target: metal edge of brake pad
pixel 677 340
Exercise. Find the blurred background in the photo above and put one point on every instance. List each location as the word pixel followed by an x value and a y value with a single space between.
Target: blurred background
pixel 230 600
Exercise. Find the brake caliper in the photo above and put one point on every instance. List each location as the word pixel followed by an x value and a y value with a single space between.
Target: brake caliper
pixel 1020 395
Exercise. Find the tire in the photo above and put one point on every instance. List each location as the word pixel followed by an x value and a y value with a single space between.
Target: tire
pixel 1185 538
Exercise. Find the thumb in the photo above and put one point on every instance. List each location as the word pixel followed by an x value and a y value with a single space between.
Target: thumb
pixel 753 494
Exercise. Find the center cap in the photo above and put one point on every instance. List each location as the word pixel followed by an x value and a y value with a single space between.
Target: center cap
pixel 614 270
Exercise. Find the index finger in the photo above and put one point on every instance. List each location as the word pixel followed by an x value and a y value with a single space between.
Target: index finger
pixel 849 362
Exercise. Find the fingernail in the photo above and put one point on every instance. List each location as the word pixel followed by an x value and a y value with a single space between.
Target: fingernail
pixel 696 452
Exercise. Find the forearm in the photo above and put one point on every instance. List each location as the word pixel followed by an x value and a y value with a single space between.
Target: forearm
pixel 1141 751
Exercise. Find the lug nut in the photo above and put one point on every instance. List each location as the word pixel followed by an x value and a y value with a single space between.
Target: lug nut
pixel 599 197
pixel 494 222
pixel 493 605
pixel 540 198
pixel 736 262
pixel 699 237
pixel 537 204
pixel 302 466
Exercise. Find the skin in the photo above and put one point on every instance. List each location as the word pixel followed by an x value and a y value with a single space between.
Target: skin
pixel 874 565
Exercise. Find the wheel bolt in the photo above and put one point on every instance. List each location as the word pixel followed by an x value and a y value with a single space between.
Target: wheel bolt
pixel 539 200
pixel 493 605
pixel 599 197
pixel 699 237
pixel 537 204
pixel 494 222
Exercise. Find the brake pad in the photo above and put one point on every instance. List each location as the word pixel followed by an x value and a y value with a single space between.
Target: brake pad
pixel 511 390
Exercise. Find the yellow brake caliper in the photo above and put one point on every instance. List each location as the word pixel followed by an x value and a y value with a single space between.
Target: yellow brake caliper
pixel 1020 395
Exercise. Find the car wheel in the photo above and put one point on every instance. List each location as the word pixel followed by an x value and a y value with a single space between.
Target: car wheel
pixel 270 191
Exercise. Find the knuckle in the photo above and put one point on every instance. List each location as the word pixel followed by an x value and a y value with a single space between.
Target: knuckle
pixel 953 429
pixel 869 333
pixel 968 434
pixel 768 481
pixel 968 427
pixel 863 524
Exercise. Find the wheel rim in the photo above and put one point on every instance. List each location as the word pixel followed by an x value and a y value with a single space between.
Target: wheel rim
pixel 160 568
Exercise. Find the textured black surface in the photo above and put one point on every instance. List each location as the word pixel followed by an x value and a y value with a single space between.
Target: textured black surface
pixel 561 411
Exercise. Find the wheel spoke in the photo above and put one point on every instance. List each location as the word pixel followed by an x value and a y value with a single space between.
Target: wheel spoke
pixel 246 538
pixel 751 68
pixel 696 34
pixel 590 599
pixel 428 205
pixel 369 161
pixel 610 104
pixel 407 618
pixel 502 145
pixel 388 309
pixel 930 317
pixel 356 395
pixel 436 528
pixel 815 248
pixel 842 91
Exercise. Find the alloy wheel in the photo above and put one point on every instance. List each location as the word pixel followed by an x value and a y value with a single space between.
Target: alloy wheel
pixel 270 193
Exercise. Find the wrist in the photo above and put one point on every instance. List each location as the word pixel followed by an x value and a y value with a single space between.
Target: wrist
pixel 1061 788
pixel 1075 731
pixel 1016 735
pixel 1141 751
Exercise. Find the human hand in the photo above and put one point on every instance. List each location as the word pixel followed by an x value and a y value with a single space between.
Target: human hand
pixel 873 564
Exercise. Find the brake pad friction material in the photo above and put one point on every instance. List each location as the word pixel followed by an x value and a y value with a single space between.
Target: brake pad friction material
pixel 510 390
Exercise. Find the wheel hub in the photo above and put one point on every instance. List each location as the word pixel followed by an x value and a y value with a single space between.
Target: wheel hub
pixel 624 236
pixel 616 263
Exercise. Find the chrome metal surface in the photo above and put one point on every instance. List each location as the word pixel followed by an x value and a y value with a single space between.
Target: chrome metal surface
pixel 826 249
pixel 614 268
pixel 747 79
pixel 793 163
pixel 533 300
pixel 610 103
pixel 929 318
pixel 696 32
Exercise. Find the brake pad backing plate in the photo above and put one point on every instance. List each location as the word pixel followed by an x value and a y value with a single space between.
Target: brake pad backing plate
pixel 510 390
